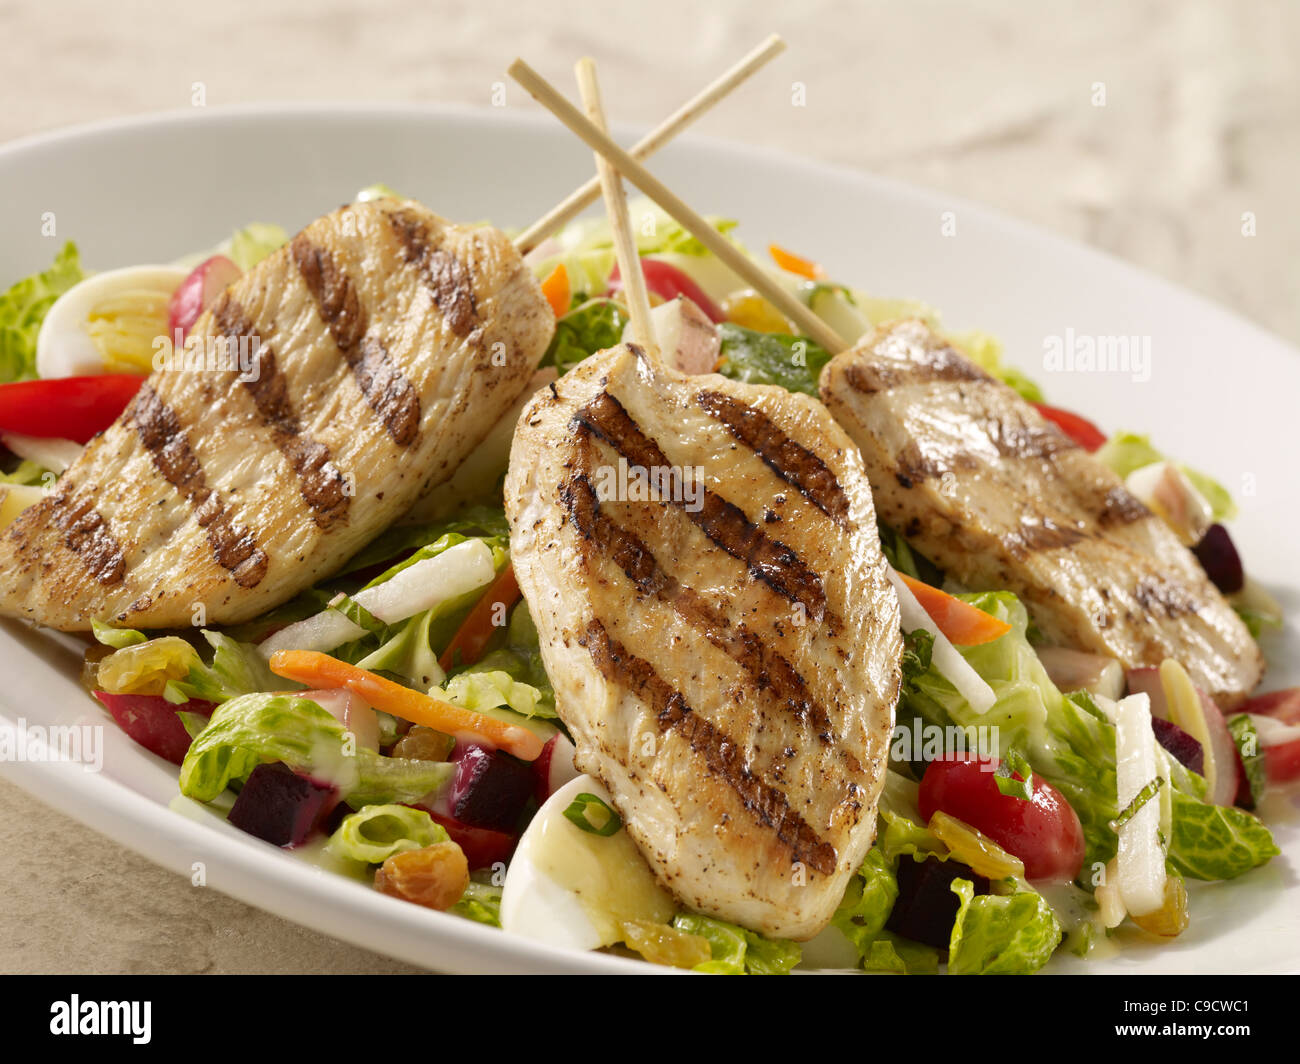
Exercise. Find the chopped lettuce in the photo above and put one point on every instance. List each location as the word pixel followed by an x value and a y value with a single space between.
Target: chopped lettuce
pixel 254 242
pixel 376 832
pixel 408 654
pixel 995 934
pixel 520 658
pixel 251 729
pixel 1126 452
pixel 1216 841
pixel 593 326
pixel 753 357
pixel 23 307
pixel 1071 743
pixel 1246 737
pixel 29 474
pixel 477 691
pixel 481 903
pixel 117 638
pixel 737 950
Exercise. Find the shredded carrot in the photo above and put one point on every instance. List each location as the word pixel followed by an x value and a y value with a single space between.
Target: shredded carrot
pixel 963 624
pixel 476 629
pixel 793 263
pixel 557 291
pixel 320 670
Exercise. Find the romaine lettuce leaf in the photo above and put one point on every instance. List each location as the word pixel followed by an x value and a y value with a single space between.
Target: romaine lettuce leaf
pixel 1216 841
pixel 737 950
pixel 23 307
pixel 251 729
pixel 793 362
pixel 995 934
pixel 254 242
pixel 593 326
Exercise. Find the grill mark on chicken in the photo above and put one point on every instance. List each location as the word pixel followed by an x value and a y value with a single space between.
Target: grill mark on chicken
pixel 792 462
pixel 1121 507
pixel 446 277
pixel 389 393
pixel 934 364
pixel 1040 534
pixel 1017 439
pixel 722 755
pixel 770 672
pixel 1170 597
pixel 768 560
pixel 86 534
pixel 234 546
pixel 319 481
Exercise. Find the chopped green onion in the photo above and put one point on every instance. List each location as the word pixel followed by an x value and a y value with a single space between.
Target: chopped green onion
pixel 1004 777
pixel 1139 800
pixel 609 823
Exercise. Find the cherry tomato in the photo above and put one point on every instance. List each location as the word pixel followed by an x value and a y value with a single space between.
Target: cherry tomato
pixel 667 281
pixel 1044 832
pixel 1079 429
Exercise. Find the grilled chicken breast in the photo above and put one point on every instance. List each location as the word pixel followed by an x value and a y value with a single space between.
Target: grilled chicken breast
pixel 998 497
pixel 702 563
pixel 345 374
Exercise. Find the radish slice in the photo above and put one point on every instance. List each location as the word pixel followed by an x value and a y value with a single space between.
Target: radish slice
pixel 947 659
pixel 1140 861
pixel 1273 732
pixel 1077 670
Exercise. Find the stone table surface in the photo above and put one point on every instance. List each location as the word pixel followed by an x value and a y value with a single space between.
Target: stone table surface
pixel 1148 128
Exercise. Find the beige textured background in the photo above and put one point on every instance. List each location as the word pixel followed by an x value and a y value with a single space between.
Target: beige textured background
pixel 992 101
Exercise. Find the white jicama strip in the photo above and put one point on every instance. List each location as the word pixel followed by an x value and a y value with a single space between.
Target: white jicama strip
pixel 54 454
pixel 321 632
pixel 456 571
pixel 1140 861
pixel 946 657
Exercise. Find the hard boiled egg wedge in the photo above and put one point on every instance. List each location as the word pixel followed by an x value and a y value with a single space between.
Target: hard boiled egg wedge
pixel 572 888
pixel 112 322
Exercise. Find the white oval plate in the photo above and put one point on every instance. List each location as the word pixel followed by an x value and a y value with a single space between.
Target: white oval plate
pixel 1220 392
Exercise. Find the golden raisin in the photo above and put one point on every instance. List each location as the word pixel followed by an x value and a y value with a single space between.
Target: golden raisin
pixel 424 744
pixel 435 876
pixel 665 944
pixel 751 311
pixel 1171 919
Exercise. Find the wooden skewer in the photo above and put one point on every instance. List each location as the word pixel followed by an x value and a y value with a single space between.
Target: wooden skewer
pixel 697 105
pixel 804 319
pixel 620 222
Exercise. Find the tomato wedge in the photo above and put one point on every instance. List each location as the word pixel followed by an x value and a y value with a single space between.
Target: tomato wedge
pixel 963 624
pixel 1079 429
pixel 668 282
pixel 70 408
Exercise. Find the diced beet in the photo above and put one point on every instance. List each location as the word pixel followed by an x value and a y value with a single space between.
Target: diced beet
pixel 1181 745
pixel 490 789
pixel 1220 560
pixel 152 721
pixel 926 907
pixel 280 806
pixel 482 848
